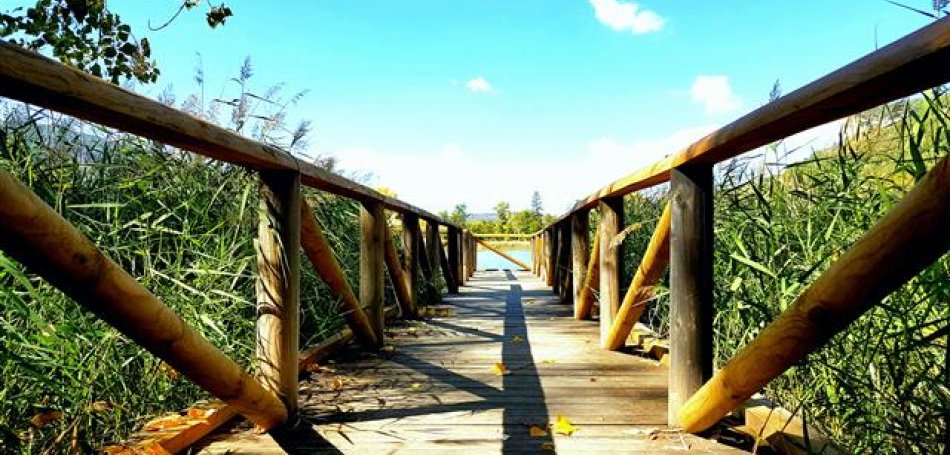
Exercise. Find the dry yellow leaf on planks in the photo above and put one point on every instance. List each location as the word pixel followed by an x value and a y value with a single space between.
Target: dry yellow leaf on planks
pixel 564 426
pixel 500 369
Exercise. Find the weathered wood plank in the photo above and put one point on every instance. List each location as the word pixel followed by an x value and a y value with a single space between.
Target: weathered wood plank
pixel 372 251
pixel 611 265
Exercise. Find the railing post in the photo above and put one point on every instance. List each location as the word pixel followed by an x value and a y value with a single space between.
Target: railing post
pixel 549 257
pixel 447 272
pixel 566 293
pixel 453 243
pixel 556 258
pixel 278 284
pixel 431 294
pixel 433 256
pixel 691 305
pixel 410 242
pixel 580 252
pixel 372 250
pixel 611 219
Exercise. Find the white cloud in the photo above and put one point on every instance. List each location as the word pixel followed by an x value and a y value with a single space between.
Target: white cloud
pixel 630 17
pixel 479 84
pixel 715 94
pixel 441 178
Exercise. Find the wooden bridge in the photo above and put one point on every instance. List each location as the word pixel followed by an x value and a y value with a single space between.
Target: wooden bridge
pixel 498 363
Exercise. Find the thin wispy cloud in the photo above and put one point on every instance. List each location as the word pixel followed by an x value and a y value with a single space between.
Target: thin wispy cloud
pixel 715 94
pixel 479 85
pixel 627 16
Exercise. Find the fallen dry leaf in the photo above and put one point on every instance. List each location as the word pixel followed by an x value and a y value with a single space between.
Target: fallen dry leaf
pixel 99 407
pixel 547 446
pixel 163 423
pixel 500 369
pixel 44 418
pixel 564 426
pixel 537 432
pixel 196 413
pixel 388 349
pixel 169 371
pixel 337 383
pixel 517 339
pixel 416 386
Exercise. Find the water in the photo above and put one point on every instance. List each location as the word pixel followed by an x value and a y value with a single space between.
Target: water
pixel 489 260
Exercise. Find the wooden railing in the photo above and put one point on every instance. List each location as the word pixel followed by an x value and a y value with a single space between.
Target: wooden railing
pixel 909 238
pixel 48 245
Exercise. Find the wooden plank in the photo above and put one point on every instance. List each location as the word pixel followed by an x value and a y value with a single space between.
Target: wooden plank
pixel 39 238
pixel 651 270
pixel 610 267
pixel 502 254
pixel 320 254
pixel 278 284
pixel 911 64
pixel 410 243
pixel 372 251
pixel 428 397
pixel 32 78
pixel 912 234
pixel 691 262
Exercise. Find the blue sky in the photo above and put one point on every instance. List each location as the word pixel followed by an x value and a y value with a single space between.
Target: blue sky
pixel 477 101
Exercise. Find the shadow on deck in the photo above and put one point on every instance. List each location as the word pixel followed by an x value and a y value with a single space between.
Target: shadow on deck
pixel 438 391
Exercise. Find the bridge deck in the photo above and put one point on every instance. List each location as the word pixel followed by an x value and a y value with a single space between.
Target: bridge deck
pixel 436 392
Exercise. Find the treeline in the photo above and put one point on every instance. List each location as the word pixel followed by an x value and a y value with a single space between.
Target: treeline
pixel 506 221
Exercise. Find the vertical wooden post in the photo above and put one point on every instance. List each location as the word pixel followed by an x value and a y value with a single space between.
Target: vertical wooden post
pixel 410 242
pixel 278 284
pixel 372 251
pixel 453 241
pixel 447 273
pixel 611 219
pixel 691 306
pixel 433 255
pixel 432 293
pixel 535 260
pixel 549 256
pixel 463 278
pixel 473 252
pixel 556 258
pixel 567 271
pixel 580 253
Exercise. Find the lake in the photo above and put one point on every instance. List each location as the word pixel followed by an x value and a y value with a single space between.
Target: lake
pixel 489 260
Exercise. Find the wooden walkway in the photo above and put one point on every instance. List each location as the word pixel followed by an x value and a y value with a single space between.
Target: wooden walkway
pixel 437 391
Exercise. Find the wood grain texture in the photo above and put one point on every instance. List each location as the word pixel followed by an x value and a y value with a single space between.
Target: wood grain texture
pixel 909 65
pixel 652 267
pixel 858 280
pixel 35 79
pixel 691 281
pixel 39 238
pixel 455 264
pixel 320 254
pixel 610 266
pixel 412 250
pixel 447 274
pixel 397 276
pixel 591 281
pixel 372 252
pixel 580 255
pixel 278 283
pixel 437 392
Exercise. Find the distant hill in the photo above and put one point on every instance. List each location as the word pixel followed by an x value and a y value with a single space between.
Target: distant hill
pixel 482 217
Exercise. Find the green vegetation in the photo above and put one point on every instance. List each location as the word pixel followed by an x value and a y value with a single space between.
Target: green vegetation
pixel 505 222
pixel 880 386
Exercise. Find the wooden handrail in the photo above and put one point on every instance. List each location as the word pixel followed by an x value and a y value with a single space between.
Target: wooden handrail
pixel 584 304
pixel 32 78
pixel 914 63
pixel 886 257
pixel 49 246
